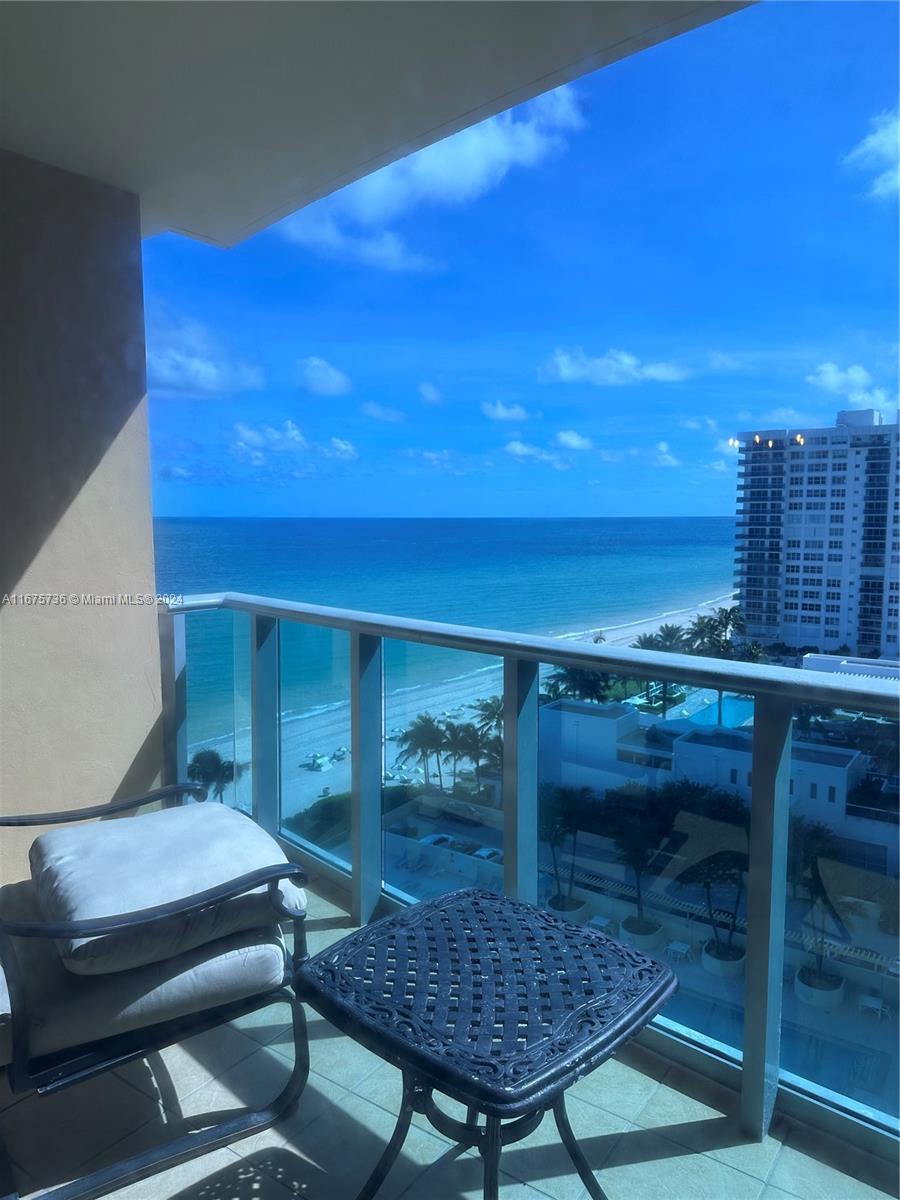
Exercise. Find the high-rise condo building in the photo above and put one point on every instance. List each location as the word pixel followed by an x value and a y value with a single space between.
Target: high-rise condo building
pixel 817 534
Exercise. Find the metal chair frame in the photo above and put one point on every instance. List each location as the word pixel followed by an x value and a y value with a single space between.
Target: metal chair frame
pixel 51 1073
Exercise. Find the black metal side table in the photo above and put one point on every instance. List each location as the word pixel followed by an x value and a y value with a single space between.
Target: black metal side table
pixel 489 1001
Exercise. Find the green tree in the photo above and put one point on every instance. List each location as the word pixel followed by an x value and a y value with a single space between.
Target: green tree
pixel 561 811
pixel 455 745
pixel 422 741
pixel 725 869
pixel 638 826
pixel 490 715
pixel 477 746
pixel 208 768
pixel 581 684
pixel 668 639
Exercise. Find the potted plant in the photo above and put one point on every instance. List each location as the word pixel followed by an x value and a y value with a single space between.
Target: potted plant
pixel 816 983
pixel 213 772
pixel 638 826
pixel 726 869
pixel 559 820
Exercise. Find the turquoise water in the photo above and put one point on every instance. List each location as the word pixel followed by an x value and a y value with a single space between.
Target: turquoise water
pixel 736 710
pixel 533 576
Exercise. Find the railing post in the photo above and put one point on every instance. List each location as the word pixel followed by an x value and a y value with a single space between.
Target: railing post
pixel 366 742
pixel 265 720
pixel 520 779
pixel 766 892
pixel 172 664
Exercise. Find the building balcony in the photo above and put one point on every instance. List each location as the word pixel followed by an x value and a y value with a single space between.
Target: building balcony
pixel 322 756
pixel 648 1125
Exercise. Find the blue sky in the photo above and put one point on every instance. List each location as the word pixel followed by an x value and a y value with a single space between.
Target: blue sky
pixel 567 310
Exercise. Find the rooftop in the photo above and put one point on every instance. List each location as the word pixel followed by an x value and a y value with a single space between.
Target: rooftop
pixel 648 1127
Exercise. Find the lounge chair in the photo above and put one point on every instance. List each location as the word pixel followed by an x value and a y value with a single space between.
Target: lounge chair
pixel 134 934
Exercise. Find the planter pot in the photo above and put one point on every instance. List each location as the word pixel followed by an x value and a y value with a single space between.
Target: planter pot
pixel 825 998
pixel 648 936
pixel 576 914
pixel 723 968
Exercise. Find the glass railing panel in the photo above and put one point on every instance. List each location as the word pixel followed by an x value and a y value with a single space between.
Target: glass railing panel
pixel 210 665
pixel 242 794
pixel 644 815
pixel 841 962
pixel 315 739
pixel 442 812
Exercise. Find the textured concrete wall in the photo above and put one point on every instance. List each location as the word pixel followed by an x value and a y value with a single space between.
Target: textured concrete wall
pixel 79 683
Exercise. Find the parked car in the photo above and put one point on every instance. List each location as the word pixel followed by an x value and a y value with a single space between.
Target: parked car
pixel 436 839
pixel 490 854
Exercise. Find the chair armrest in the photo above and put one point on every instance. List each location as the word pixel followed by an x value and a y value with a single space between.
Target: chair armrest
pixel 105 810
pixel 97 926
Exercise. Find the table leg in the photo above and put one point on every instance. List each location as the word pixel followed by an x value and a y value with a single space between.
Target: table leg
pixel 490 1152
pixel 595 1191
pixel 392 1149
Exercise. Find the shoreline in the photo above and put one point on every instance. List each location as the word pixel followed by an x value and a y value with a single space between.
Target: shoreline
pixel 325 729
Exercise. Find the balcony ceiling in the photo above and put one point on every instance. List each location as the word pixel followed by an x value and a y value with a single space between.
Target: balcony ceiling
pixel 225 117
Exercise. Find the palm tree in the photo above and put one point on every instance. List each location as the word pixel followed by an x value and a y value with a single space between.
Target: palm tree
pixel 599 637
pixel 208 768
pixel 455 742
pixel 582 684
pixel 490 714
pixel 477 744
pixel 561 811
pixel 420 741
pixel 670 639
pixel 638 827
pixel 725 868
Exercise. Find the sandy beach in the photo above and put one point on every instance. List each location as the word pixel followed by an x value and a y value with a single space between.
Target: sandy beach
pixel 324 732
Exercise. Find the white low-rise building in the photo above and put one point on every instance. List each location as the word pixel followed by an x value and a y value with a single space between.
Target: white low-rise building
pixel 605 746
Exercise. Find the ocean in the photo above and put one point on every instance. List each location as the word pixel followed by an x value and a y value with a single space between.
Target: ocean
pixel 550 576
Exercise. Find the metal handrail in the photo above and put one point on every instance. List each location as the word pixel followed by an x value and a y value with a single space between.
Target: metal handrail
pixel 813 688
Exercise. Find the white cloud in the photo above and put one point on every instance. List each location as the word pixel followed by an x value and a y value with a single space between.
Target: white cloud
pixel 700 423
pixel 504 412
pixel 252 443
pixel 430 394
pixel 437 458
pixel 523 451
pixel 718 361
pixel 854 385
pixel 665 457
pixel 318 229
pixel 878 154
pixel 319 376
pixel 724 446
pixel 830 377
pixel 379 412
pixel 570 440
pixel 614 369
pixel 787 418
pixel 187 360
pixel 351 224
pixel 719 465
pixel 339 448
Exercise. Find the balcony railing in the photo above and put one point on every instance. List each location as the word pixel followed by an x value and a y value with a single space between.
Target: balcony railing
pixel 700 797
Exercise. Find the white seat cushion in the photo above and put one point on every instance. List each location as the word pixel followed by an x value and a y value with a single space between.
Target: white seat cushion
pixel 63 1010
pixel 130 864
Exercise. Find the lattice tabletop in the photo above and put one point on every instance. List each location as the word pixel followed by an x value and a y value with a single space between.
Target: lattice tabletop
pixel 489 1000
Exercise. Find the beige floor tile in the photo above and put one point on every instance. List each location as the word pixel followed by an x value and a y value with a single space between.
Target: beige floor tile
pixel 221 1175
pixel 463 1179
pixel 616 1087
pixel 542 1161
pixel 51 1137
pixel 331 1158
pixel 645 1164
pixel 253 1082
pixel 704 1116
pixel 384 1087
pixel 815 1167
pixel 338 1058
pixel 266 1024
pixel 176 1071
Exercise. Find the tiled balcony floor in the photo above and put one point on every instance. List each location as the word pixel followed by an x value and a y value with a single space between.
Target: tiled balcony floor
pixel 650 1130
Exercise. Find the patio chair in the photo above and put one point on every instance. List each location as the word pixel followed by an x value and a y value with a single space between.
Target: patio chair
pixel 134 934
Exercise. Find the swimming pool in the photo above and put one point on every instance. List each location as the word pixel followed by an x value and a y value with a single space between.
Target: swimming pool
pixel 736 710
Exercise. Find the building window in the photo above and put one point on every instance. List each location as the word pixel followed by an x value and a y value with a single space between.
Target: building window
pixel 734 774
pixel 813 791
pixel 832 793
